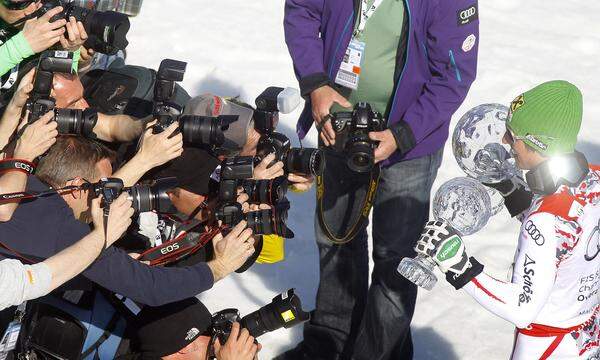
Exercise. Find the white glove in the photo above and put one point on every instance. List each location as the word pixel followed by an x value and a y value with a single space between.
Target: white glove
pixel 440 242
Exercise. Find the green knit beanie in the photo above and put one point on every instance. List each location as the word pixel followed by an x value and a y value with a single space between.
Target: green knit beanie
pixel 548 117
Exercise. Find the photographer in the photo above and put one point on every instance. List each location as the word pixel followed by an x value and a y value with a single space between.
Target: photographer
pixel 33 142
pixel 19 282
pixel 181 330
pixel 75 161
pixel 37 35
pixel 413 62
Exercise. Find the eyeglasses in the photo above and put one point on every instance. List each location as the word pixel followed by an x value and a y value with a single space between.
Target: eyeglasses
pixel 510 137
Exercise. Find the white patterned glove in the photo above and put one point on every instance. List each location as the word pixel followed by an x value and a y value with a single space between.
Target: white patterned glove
pixel 445 247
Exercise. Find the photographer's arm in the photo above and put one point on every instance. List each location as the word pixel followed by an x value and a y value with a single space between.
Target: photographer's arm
pixel 154 150
pixel 19 282
pixel 35 140
pixel 154 286
pixel 73 260
pixel 14 109
pixel 38 35
pixel 118 128
pixel 12 52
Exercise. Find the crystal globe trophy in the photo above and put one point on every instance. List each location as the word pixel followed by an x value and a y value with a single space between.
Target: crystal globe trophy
pixel 477 144
pixel 464 202
pixel 466 205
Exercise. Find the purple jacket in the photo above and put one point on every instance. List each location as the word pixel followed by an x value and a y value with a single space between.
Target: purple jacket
pixel 435 75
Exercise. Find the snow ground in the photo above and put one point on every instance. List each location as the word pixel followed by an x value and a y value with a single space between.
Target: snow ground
pixel 236 47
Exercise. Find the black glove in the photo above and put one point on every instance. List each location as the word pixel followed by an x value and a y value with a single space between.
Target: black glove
pixel 517 197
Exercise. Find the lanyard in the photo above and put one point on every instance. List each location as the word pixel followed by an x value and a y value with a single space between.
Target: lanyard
pixel 365 14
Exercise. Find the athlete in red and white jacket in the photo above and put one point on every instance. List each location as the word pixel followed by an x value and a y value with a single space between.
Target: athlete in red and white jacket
pixel 553 296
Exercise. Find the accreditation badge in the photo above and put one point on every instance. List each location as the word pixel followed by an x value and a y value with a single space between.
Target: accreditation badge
pixel 349 73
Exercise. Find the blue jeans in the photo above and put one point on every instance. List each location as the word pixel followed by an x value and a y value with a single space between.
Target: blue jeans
pixel 351 319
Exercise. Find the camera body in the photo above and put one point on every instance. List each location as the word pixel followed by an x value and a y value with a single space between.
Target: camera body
pixel 296 160
pixel 285 310
pixel 233 171
pixel 203 131
pixel 40 101
pixel 107 30
pixel 152 197
pixel 352 135
pixel 70 121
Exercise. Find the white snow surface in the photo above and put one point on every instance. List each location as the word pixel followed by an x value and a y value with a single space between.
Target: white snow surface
pixel 237 47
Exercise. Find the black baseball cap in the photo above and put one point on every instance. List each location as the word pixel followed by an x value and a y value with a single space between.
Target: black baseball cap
pixel 192 170
pixel 164 330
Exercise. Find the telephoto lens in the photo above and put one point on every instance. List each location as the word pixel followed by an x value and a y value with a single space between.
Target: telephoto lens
pixel 76 122
pixel 271 221
pixel 205 130
pixel 266 191
pixel 153 197
pixel 107 30
pixel 305 161
pixel 284 311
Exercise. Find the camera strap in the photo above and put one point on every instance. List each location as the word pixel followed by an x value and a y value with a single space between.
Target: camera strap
pixel 365 209
pixel 182 245
pixel 11 197
pixel 17 165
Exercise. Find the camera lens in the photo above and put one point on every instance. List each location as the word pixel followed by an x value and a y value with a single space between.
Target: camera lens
pixel 199 130
pixel 284 311
pixel 271 221
pixel 305 161
pixel 360 156
pixel 153 197
pixel 260 222
pixel 68 121
pixel 107 30
pixel 266 191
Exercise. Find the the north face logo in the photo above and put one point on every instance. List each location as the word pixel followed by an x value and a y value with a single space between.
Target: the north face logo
pixel 191 334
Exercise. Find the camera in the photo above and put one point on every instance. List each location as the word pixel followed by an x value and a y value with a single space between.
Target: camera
pixel 233 171
pixel 295 160
pixel 151 197
pixel 284 311
pixel 76 122
pixel 70 121
pixel 107 30
pixel 40 101
pixel 266 191
pixel 262 222
pixel 202 131
pixel 352 135
pixel 236 172
pixel 270 103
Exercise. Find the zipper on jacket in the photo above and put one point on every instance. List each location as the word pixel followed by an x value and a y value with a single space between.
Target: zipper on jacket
pixel 337 48
pixel 453 62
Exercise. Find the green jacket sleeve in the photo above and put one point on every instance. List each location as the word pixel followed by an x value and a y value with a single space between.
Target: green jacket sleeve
pixel 12 52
